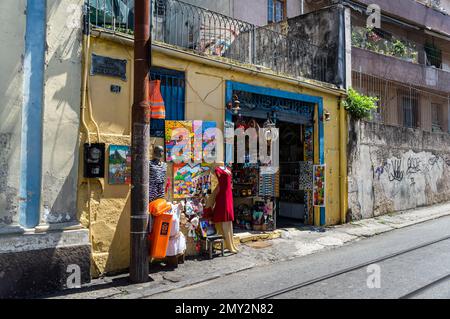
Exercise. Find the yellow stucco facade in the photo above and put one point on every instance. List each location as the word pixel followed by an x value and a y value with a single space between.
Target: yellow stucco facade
pixel 105 209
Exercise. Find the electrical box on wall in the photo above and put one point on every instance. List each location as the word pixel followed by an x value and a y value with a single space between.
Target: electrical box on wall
pixel 94 160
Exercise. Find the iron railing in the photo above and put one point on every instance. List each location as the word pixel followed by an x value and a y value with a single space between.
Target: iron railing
pixel 205 32
pixel 379 41
pixel 114 15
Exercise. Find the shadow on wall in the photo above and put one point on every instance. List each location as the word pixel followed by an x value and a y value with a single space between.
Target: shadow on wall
pixel 61 117
pixel 106 212
pixel 11 97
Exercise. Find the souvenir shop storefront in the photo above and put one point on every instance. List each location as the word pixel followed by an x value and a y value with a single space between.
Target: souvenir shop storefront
pixel 197 96
pixel 286 197
pixel 254 196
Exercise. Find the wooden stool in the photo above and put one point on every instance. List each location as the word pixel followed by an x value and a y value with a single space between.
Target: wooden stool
pixel 210 241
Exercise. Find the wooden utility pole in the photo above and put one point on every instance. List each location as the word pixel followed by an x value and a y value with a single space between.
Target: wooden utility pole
pixel 140 144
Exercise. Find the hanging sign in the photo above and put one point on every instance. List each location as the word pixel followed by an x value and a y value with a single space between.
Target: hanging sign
pixel 319 185
pixel 102 65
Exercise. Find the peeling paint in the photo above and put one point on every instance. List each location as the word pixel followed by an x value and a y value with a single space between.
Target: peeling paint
pixel 393 169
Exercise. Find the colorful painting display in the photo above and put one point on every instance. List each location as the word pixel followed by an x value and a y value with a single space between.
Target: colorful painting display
pixel 209 141
pixel 190 180
pixel 319 185
pixel 180 139
pixel 119 165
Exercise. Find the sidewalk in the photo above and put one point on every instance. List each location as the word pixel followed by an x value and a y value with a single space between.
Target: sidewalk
pixel 293 243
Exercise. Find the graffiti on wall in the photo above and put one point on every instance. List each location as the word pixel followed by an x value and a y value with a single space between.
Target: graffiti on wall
pixel 397 169
pixel 411 179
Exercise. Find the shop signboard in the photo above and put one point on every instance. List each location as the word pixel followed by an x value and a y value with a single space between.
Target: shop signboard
pixel 319 172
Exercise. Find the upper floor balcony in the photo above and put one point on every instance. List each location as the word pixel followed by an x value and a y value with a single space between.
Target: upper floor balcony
pixel 179 25
pixel 398 59
pixel 427 14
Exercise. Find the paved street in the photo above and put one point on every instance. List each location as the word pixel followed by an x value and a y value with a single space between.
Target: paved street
pixel 306 254
pixel 400 275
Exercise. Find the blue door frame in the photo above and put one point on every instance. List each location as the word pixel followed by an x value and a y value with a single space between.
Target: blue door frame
pixel 236 86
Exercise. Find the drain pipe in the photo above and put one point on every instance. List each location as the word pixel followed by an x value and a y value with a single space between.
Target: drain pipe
pixel 343 184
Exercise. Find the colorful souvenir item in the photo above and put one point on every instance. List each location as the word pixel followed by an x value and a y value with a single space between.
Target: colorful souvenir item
pixel 319 185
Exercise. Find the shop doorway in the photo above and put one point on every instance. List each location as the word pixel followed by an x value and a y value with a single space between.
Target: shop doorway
pixel 301 146
pixel 293 200
pixel 284 200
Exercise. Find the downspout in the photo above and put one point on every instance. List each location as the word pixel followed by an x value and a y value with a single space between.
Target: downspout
pixel 86 93
pixel 448 113
pixel 343 187
pixel 32 114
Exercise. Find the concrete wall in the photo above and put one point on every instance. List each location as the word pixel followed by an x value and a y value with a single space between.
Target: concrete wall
pixel 413 12
pixel 105 208
pixel 326 29
pixel 38 259
pixel 62 110
pixel 252 11
pixel 12 15
pixel 393 169
pixel 310 46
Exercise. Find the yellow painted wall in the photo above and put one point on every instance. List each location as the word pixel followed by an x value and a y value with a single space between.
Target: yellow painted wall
pixel 205 100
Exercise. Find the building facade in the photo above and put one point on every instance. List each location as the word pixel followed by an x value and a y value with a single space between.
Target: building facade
pixel 399 159
pixel 41 240
pixel 66 117
pixel 201 68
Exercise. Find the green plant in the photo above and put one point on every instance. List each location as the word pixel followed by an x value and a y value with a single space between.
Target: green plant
pixel 358 105
pixel 399 49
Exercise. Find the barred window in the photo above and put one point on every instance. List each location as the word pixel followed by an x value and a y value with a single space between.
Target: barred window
pixel 436 113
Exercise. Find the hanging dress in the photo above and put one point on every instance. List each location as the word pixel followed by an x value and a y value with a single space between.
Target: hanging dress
pixel 223 209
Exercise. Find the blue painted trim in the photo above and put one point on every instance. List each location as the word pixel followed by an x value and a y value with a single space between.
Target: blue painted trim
pixel 231 86
pixel 32 114
pixel 228 98
pixel 321 152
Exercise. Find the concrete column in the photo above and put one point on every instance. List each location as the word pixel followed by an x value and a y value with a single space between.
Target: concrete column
pixel 348 47
pixel 33 88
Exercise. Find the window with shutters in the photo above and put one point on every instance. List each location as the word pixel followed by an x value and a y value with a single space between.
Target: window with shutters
pixel 276 10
